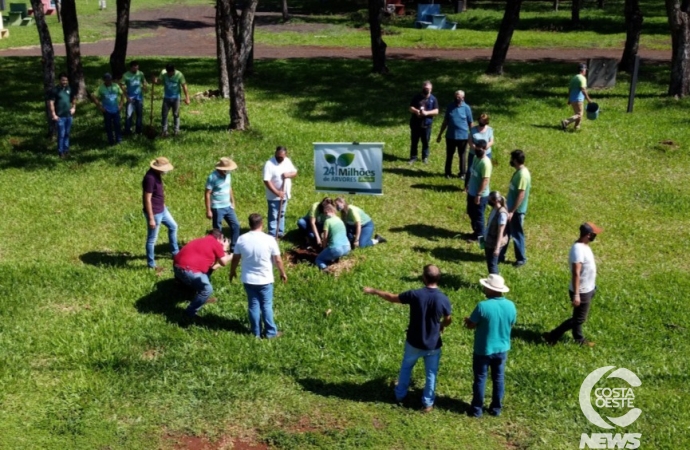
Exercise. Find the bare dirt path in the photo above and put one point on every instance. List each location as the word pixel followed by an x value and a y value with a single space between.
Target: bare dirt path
pixel 190 32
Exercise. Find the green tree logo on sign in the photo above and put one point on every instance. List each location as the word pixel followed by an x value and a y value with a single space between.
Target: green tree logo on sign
pixel 344 160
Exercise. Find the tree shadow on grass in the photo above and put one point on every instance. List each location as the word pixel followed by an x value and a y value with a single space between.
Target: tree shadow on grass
pixel 451 254
pixel 410 172
pixel 447 281
pixel 164 300
pixel 437 188
pixel 431 232
pixel 378 390
pixel 529 333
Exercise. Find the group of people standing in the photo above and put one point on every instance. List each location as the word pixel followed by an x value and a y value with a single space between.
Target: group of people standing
pixel 507 214
pixel 112 96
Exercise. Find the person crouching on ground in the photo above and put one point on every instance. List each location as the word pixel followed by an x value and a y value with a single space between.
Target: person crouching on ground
pixel 311 225
pixel 359 226
pixel 195 263
pixel 496 231
pixel 334 238
pixel 429 315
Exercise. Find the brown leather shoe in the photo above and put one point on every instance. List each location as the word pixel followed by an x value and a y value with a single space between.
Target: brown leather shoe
pixel 428 409
pixel 587 343
pixel 211 300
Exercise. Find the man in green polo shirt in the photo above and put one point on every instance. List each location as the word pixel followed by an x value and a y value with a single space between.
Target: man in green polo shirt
pixel 133 84
pixel 173 84
pixel 518 198
pixel 62 104
pixel 478 189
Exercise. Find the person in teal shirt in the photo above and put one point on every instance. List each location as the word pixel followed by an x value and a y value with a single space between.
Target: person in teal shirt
pixel 108 98
pixel 492 320
pixel 174 84
pixel 577 93
pixel 518 199
pixel 335 238
pixel 134 83
pixel 359 226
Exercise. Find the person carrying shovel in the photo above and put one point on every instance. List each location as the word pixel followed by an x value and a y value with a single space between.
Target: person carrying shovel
pixel 278 174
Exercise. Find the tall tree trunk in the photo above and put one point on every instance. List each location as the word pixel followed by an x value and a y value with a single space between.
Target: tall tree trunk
pixel 47 58
pixel 600 4
pixel 70 30
pixel 633 29
pixel 119 55
pixel 511 17
pixel 575 12
pixel 378 46
pixel 221 57
pixel 555 5
pixel 236 32
pixel 286 14
pixel 58 10
pixel 679 21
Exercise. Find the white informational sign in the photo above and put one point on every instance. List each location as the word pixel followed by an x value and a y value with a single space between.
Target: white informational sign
pixel 348 168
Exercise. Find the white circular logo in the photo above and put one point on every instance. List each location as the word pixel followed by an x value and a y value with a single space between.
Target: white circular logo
pixel 610 397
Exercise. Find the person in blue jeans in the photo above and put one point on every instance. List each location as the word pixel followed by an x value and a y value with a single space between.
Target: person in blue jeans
pixel 259 252
pixel 334 237
pixel 359 226
pixel 311 225
pixel 430 314
pixel 220 199
pixel 195 263
pixel 155 211
pixel 109 98
pixel 133 84
pixel 277 175
pixel 517 201
pixel 62 104
pixel 492 320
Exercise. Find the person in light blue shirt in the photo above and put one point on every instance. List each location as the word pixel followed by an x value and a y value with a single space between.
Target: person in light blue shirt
pixel 577 93
pixel 220 199
pixel 458 120
pixel 108 98
pixel 174 83
pixel 492 320
pixel 133 84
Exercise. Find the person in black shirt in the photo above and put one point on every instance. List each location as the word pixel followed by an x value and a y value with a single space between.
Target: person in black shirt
pixel 429 315
pixel 423 108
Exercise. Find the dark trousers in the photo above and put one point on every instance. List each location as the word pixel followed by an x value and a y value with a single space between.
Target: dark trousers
pixel 417 134
pixel 112 127
pixel 492 260
pixel 517 233
pixel 453 145
pixel 476 214
pixel 575 322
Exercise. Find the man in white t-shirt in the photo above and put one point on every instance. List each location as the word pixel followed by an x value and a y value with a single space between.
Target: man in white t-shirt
pixel 583 285
pixel 260 252
pixel 278 174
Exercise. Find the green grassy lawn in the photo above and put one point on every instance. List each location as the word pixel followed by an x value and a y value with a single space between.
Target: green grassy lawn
pixel 343 24
pixel 94 353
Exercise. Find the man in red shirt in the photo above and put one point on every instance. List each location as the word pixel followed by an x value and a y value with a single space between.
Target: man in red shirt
pixel 196 261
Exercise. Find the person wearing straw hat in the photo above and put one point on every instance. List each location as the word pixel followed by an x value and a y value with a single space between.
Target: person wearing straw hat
pixel 155 211
pixel 195 263
pixel 577 93
pixel 220 199
pixel 491 320
pixel 430 314
pixel 583 286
